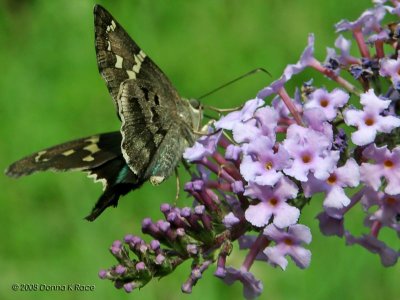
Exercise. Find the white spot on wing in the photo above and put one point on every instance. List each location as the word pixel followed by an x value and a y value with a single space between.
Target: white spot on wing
pixel 138 61
pixel 131 74
pixel 92 147
pixel 39 158
pixel 111 27
pixel 68 152
pixel 139 58
pixel 88 158
pixel 118 64
pixel 93 139
pixel 108 46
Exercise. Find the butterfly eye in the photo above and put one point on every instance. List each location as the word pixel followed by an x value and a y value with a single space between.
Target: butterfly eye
pixel 194 103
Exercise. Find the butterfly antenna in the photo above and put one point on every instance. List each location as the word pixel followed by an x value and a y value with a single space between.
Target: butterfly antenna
pixel 257 70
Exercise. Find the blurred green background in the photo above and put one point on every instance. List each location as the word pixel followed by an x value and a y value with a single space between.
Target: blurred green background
pixel 50 92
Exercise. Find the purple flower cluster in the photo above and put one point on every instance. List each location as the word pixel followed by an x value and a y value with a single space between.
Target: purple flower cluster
pixel 259 166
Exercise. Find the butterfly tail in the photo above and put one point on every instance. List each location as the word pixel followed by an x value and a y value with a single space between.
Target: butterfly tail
pixel 109 197
pixel 117 179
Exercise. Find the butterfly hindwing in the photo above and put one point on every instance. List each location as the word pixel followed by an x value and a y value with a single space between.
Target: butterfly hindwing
pixel 117 179
pixel 169 153
pixel 153 137
pixel 144 123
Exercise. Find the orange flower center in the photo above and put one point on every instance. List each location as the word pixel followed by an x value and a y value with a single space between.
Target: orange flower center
pixel 388 163
pixel 273 201
pixel 268 165
pixel 288 241
pixel 390 200
pixel 331 179
pixel 306 158
pixel 369 121
pixel 324 102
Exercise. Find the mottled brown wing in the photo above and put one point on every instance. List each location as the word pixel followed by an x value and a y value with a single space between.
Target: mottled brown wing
pixel 145 122
pixel 77 155
pixel 120 58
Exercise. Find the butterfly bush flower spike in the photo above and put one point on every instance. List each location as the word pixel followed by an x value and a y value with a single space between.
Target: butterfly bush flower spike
pixel 260 167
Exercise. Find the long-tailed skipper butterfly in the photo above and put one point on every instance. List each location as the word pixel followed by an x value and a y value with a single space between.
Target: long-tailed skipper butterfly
pixel 157 124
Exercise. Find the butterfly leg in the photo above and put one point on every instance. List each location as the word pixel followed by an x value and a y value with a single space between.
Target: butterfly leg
pixel 178 185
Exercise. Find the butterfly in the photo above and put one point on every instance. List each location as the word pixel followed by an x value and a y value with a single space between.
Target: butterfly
pixel 157 125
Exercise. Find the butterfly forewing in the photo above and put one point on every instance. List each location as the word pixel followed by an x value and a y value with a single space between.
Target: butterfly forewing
pixel 80 154
pixel 120 58
pixel 147 102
